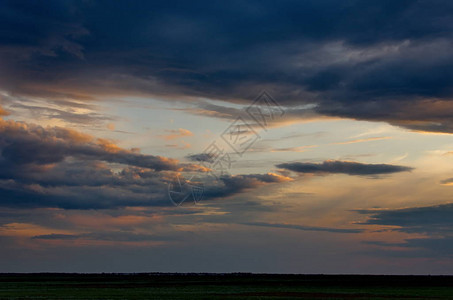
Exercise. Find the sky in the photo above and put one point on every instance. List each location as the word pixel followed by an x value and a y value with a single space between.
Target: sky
pixel 226 136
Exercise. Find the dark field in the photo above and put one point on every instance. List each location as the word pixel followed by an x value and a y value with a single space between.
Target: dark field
pixel 222 286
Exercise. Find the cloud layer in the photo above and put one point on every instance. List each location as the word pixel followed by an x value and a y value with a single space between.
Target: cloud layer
pixel 59 167
pixel 386 61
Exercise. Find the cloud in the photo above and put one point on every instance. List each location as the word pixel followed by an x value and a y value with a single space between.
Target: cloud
pixel 59 167
pixel 22 143
pixel 386 61
pixel 65 114
pixel 302 227
pixel 175 134
pixel 293 149
pixel 424 115
pixel 3 112
pixel 363 140
pixel 434 222
pixel 448 181
pixel 182 145
pixel 90 187
pixel 64 168
pixel 301 113
pixel 432 246
pixel 429 219
pixel 343 167
pixel 105 236
pixel 201 157
pixel 234 184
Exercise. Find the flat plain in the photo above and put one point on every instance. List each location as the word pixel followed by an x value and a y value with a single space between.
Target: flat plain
pixel 222 286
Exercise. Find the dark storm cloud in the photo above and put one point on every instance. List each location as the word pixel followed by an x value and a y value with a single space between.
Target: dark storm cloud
pixel 343 167
pixel 371 60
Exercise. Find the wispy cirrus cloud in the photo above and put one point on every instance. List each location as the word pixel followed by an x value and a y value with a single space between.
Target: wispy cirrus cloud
pixel 302 227
pixel 114 236
pixel 363 140
pixel 293 149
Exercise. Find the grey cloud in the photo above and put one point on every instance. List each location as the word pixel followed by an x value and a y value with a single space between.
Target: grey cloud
pixel 302 227
pixel 447 181
pixel 434 222
pixel 304 112
pixel 430 219
pixel 343 167
pixel 201 157
pixel 22 143
pixel 67 115
pixel 233 184
pixel 57 167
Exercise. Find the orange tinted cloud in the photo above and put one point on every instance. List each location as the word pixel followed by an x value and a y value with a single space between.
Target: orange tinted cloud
pixel 26 230
pixel 175 134
pixel 363 140
pixel 3 112
pixel 104 221
pixel 293 149
pixel 54 144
